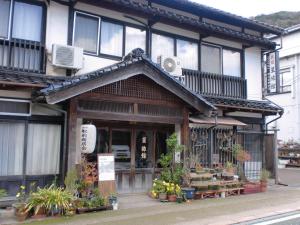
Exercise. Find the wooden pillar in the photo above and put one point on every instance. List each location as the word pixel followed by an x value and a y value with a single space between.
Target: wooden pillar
pixel 132 161
pixel 185 131
pixel 185 128
pixel 72 130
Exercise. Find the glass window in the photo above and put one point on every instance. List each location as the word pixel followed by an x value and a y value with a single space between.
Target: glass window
pixel 111 39
pixel 135 38
pixel 86 32
pixel 187 52
pixel 211 59
pixel 285 80
pixel 231 63
pixel 11 148
pixel 121 148
pixel 27 21
pixel 4 22
pixel 43 149
pixel 162 45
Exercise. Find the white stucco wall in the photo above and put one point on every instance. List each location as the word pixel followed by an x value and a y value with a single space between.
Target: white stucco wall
pixel 289 124
pixel 253 72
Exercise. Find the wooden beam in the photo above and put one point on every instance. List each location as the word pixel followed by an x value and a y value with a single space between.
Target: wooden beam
pixel 128 117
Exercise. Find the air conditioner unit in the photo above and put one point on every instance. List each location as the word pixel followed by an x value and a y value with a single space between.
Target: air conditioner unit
pixel 170 64
pixel 66 56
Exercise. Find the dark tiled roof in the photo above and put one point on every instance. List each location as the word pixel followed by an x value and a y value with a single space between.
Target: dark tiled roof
pixel 189 21
pixel 27 79
pixel 244 104
pixel 213 13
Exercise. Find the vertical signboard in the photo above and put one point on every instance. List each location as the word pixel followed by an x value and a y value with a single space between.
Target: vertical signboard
pixel 106 174
pixel 272 72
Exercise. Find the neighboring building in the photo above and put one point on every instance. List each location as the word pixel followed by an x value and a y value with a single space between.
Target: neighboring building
pixel 287 93
pixel 212 103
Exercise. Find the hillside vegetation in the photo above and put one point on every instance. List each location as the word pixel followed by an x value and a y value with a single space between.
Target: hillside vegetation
pixel 282 19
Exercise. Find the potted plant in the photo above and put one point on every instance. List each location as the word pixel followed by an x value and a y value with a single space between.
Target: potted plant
pixel 159 189
pixel 49 201
pixel 171 191
pixel 19 207
pixel 264 176
pixel 179 195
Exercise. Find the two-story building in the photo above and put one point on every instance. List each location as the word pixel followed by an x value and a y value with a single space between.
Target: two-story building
pixel 287 92
pixel 195 70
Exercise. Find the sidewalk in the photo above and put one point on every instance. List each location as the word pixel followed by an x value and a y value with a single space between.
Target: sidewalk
pixel 138 209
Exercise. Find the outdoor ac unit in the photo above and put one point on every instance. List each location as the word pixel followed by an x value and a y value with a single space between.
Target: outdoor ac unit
pixel 170 64
pixel 66 56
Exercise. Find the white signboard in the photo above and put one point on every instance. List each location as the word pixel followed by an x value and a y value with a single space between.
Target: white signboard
pixel 88 138
pixel 272 72
pixel 106 167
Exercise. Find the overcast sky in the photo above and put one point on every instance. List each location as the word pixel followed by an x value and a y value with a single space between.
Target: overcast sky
pixel 247 8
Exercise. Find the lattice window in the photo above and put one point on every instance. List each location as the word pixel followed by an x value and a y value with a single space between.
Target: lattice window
pixel 199 147
pixel 138 87
pixel 158 110
pixel 106 106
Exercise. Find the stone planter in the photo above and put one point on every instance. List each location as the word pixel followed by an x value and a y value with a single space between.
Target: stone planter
pixel 250 188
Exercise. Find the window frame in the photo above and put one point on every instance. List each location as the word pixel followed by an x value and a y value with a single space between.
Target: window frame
pixel 102 18
pixel 222 47
pixel 9 30
pixel 98 33
pixel 280 80
pixel 10 22
pixel 175 37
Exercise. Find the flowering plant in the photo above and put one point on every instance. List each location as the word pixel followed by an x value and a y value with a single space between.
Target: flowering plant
pixel 21 195
pixel 160 186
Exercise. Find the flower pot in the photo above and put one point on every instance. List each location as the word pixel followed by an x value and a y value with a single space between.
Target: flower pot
pixel 189 193
pixel 263 186
pixel 162 196
pixel 179 199
pixel 21 215
pixel 172 198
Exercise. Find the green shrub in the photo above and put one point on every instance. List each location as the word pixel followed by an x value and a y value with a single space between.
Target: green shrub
pixel 50 199
pixel 2 193
pixel 71 181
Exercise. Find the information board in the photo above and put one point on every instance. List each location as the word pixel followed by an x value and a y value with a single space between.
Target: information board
pixel 106 167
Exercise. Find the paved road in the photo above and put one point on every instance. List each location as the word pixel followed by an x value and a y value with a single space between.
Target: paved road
pixel 291 218
pixel 290 176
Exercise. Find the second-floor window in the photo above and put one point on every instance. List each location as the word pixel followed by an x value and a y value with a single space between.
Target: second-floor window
pixel 186 51
pixel 215 59
pixel 23 22
pixel 98 36
pixel 285 80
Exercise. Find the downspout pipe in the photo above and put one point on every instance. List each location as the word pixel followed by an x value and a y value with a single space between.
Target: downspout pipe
pixel 51 107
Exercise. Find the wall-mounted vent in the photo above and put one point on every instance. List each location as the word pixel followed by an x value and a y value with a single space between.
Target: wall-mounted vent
pixel 66 56
pixel 15 107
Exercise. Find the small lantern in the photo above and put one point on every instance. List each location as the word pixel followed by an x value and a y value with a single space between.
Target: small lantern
pixel 88 138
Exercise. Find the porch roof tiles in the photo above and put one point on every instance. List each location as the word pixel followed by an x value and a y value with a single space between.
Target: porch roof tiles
pixel 135 57
pixel 266 106
pixel 16 78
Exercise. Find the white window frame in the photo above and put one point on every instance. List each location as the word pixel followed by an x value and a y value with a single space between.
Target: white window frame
pixel 17 100
pixel 221 55
pixel 98 33
pixel 9 21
